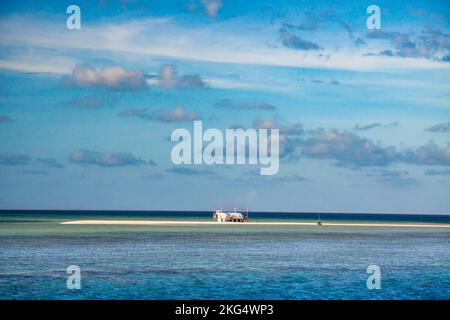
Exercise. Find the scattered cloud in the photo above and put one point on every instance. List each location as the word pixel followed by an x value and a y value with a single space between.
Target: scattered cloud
pixel 254 177
pixel 135 112
pixel 212 7
pixel 175 115
pixel 148 36
pixel 367 126
pixel 313 18
pixel 401 42
pixel 164 115
pixel 396 178
pixel 359 42
pixel 351 150
pixel 347 148
pixel 375 125
pixel 189 171
pixel 50 163
pixel 112 78
pixel 229 104
pixel 190 82
pixel 289 134
pixel 12 159
pixel 91 102
pixel 292 41
pixel 392 173
pixel 293 177
pixel 288 178
pixel 429 154
pixel 168 78
pixel 330 82
pixel 274 122
pixel 439 127
pixel 429 44
pixel 105 159
pixel 23 159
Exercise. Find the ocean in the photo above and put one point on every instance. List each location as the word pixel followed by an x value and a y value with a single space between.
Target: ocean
pixel 221 261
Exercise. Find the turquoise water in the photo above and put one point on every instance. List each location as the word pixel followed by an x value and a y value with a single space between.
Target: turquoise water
pixel 220 262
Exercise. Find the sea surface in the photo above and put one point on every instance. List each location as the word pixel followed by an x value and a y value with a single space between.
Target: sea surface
pixel 223 261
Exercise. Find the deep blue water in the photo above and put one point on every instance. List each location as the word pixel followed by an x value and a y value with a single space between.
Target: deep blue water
pixel 220 262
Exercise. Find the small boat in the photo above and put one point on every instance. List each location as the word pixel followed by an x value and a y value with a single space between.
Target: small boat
pixel 230 216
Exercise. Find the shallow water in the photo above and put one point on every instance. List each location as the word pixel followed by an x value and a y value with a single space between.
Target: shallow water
pixel 220 262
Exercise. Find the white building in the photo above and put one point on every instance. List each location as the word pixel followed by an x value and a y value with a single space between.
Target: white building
pixel 230 216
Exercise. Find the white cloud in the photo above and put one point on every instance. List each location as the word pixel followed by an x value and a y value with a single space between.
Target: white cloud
pixel 45 64
pixel 212 43
pixel 175 115
pixel 114 78
pixel 105 159
pixel 212 6
pixel 168 78
pixel 178 114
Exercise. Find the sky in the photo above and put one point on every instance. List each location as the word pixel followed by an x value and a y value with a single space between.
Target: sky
pixel 364 115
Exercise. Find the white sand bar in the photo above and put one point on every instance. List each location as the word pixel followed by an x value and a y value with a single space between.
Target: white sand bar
pixel 194 223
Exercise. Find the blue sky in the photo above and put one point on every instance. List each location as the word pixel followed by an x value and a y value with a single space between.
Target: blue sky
pixel 86 115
